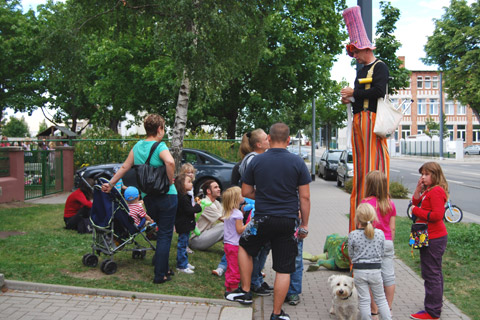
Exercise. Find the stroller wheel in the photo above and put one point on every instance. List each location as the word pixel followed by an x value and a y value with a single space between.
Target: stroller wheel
pixel 109 267
pixel 90 260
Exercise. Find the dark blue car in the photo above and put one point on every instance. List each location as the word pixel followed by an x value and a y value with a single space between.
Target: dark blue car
pixel 208 166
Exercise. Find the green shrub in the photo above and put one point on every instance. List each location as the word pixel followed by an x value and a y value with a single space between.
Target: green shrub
pixel 227 149
pixel 348 186
pixel 398 190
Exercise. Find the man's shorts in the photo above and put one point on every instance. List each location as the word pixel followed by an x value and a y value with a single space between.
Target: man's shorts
pixel 280 231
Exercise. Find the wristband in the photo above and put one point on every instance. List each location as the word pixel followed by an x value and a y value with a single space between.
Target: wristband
pixel 110 184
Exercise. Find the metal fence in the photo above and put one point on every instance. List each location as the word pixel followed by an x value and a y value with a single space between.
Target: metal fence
pixel 43 173
pixel 424 148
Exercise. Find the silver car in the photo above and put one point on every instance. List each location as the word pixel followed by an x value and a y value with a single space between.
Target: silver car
pixel 473 149
pixel 345 167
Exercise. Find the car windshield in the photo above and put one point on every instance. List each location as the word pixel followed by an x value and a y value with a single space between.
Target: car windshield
pixel 215 156
pixel 350 157
pixel 334 156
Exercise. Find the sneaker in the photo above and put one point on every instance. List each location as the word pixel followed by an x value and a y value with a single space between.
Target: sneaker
pixel 422 315
pixel 189 266
pixel 186 270
pixel 267 287
pixel 190 251
pixel 260 291
pixel 292 299
pixel 281 316
pixel 218 272
pixel 240 296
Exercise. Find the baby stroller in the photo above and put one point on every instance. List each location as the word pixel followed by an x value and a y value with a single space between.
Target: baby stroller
pixel 113 229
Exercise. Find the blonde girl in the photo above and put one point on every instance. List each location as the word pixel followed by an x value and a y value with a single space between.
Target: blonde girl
pixel 233 228
pixel 365 248
pixel 376 194
pixel 428 202
pixel 188 170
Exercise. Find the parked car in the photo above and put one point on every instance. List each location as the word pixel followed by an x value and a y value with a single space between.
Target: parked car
pixel 208 165
pixel 345 167
pixel 303 151
pixel 473 149
pixel 327 166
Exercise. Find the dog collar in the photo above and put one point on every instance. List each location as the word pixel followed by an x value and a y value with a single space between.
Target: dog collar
pixel 348 296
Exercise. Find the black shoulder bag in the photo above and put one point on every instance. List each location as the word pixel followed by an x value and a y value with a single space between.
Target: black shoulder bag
pixel 152 180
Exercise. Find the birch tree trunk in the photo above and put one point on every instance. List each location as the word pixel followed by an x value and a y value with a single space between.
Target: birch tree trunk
pixel 180 122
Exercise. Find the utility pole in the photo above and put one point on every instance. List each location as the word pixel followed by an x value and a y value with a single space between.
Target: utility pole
pixel 441 117
pixel 366 6
pixel 314 133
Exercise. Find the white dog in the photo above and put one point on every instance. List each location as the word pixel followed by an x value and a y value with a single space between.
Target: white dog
pixel 345 297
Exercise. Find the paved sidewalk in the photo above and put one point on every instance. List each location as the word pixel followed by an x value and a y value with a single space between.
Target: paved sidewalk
pixel 328 215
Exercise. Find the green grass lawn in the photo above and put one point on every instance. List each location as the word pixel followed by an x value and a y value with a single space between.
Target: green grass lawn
pixel 460 263
pixel 46 252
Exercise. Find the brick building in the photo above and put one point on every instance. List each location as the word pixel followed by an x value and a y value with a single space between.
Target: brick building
pixel 424 89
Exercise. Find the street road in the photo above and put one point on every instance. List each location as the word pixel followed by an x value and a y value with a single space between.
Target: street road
pixel 463 179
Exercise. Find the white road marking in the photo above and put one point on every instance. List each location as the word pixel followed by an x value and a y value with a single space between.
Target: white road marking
pixel 394 170
pixel 469 173
pixel 453 181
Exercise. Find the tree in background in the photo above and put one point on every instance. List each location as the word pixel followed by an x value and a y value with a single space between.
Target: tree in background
pixel 454 47
pixel 42 126
pixel 432 127
pixel 19 57
pixel 16 128
pixel 302 40
pixel 387 46
pixel 330 113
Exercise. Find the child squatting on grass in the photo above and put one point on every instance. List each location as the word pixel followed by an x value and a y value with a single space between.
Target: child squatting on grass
pixel 366 247
pixel 184 221
pixel 233 228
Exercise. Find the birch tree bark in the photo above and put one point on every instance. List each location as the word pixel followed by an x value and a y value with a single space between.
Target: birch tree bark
pixel 180 121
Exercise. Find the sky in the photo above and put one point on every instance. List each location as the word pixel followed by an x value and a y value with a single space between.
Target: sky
pixel 415 25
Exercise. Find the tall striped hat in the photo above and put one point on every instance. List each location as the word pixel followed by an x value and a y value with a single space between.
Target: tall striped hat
pixel 356 30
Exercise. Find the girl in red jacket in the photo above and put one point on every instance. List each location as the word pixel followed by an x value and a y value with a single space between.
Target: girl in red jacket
pixel 429 207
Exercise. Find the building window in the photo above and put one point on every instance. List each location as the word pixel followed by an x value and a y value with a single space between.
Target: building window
pixel 450 131
pixel 476 133
pixel 461 132
pixel 433 106
pixel 428 83
pixel 420 128
pixel 461 109
pixel 421 107
pixel 406 104
pixel 405 131
pixel 419 82
pixel 449 108
pixel 435 82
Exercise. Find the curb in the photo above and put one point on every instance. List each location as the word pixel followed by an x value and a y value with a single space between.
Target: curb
pixel 32 286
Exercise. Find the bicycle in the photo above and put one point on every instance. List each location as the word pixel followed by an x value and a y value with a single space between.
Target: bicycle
pixel 453 213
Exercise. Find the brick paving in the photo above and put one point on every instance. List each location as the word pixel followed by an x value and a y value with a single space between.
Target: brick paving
pixel 330 205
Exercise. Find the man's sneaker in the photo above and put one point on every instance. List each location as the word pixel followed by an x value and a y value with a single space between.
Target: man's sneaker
pixel 281 316
pixel 189 266
pixel 239 296
pixel 260 291
pixel 422 315
pixel 218 272
pixel 186 270
pixel 267 287
pixel 292 299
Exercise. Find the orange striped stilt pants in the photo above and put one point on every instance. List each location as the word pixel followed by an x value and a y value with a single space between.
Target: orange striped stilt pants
pixel 369 153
